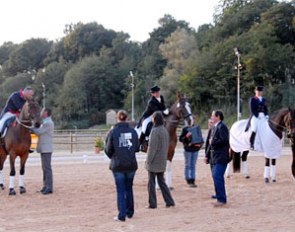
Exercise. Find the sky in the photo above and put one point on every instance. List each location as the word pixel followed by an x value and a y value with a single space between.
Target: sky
pixel 25 19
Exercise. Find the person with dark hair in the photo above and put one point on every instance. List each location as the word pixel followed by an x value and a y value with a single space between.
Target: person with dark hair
pixel 14 105
pixel 45 148
pixel 155 103
pixel 217 154
pixel 121 146
pixel 192 139
pixel 156 161
pixel 259 112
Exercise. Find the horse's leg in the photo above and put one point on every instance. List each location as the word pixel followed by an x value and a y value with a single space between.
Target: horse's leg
pixel 23 160
pixel 169 174
pixel 293 163
pixel 227 171
pixel 273 170
pixel 244 164
pixel 236 161
pixel 266 171
pixel 2 161
pixel 12 174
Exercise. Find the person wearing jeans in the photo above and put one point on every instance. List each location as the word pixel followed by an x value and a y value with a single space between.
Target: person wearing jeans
pixel 121 145
pixel 217 154
pixel 192 140
pixel 124 186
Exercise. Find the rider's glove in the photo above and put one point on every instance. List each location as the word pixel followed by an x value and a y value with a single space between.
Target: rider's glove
pixel 166 112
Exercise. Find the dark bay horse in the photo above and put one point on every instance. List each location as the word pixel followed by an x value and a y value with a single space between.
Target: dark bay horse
pixel 17 142
pixel 281 121
pixel 181 109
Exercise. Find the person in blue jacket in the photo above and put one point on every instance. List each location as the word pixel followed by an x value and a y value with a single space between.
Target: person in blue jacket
pixel 259 112
pixel 14 105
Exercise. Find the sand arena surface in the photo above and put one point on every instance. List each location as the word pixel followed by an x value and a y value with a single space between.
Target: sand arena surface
pixel 84 199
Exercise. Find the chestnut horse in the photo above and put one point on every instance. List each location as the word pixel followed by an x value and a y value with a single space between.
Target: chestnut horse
pixel 17 142
pixel 280 121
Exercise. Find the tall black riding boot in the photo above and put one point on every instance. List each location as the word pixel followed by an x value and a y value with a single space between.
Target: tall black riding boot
pixel 252 139
pixel 141 138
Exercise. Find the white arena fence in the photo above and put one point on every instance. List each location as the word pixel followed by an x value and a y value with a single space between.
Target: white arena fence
pixel 84 139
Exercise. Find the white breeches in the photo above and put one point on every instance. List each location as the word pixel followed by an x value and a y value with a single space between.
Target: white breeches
pixel 145 124
pixel 255 121
pixel 6 116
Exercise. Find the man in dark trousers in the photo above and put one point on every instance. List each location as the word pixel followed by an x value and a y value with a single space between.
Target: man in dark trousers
pixel 218 155
pixel 259 112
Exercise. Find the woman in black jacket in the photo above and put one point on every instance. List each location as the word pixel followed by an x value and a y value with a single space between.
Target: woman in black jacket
pixel 121 146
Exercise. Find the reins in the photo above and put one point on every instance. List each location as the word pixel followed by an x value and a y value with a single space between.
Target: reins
pixel 21 122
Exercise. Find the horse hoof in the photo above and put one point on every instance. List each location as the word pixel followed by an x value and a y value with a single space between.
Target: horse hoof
pixel 274 181
pixel 247 177
pixel 266 180
pixel 12 192
pixel 2 186
pixel 22 190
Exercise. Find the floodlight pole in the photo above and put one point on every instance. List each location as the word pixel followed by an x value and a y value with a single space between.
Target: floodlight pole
pixel 237 53
pixel 132 95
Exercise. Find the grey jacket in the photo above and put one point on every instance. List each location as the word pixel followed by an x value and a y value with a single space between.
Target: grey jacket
pixel 45 134
pixel 157 150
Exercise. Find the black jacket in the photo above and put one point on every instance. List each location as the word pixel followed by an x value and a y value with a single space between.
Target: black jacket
pixel 121 146
pixel 153 106
pixel 257 106
pixel 187 141
pixel 218 151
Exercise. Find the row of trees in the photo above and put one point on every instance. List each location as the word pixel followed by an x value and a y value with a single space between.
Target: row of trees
pixel 87 71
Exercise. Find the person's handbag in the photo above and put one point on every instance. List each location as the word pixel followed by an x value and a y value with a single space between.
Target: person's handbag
pixel 197 137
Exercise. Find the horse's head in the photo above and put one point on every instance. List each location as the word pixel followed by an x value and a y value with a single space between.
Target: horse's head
pixel 31 113
pixel 183 110
pixel 289 121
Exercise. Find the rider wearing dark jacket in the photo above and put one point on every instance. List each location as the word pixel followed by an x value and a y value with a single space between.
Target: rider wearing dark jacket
pixel 155 103
pixel 14 103
pixel 121 145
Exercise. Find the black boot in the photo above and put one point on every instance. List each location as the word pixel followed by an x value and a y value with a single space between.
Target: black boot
pixel 193 185
pixel 141 138
pixel 252 139
pixel 188 181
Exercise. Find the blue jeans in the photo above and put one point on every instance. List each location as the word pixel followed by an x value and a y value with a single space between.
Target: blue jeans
pixel 190 164
pixel 218 171
pixel 124 186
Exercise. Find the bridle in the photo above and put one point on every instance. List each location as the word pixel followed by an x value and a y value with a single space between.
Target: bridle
pixel 28 121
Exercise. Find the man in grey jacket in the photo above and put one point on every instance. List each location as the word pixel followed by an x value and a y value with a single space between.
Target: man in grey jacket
pixel 45 147
pixel 156 161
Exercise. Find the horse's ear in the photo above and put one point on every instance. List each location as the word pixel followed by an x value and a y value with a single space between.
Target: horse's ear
pixel 179 95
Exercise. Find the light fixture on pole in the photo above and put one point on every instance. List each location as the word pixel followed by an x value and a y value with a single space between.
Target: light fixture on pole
pixel 237 53
pixel 132 95
pixel 43 87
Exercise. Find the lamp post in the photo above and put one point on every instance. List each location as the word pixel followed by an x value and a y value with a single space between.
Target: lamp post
pixel 132 95
pixel 237 53
pixel 43 87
